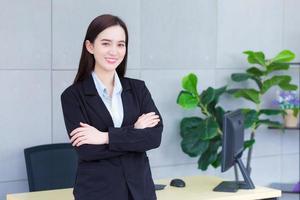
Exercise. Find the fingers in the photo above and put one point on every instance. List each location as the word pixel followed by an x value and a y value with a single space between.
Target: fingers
pixel 154 117
pixel 82 134
pixel 84 125
pixel 79 129
pixel 147 120
pixel 152 123
pixel 151 118
pixel 77 135
pixel 82 128
pixel 79 141
pixel 148 116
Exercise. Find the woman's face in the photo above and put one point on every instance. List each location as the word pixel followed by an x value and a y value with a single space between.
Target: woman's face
pixel 109 48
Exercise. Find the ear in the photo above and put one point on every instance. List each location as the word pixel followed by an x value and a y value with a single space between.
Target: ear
pixel 89 47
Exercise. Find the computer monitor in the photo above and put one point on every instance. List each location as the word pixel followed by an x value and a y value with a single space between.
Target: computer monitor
pixel 232 150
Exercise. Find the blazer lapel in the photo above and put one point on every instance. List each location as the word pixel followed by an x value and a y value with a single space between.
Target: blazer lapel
pixel 126 96
pixel 94 100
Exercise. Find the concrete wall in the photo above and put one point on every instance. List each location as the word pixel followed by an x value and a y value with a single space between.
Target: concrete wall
pixel 40 48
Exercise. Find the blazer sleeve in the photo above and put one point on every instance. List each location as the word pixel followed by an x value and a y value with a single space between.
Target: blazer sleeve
pixel 73 114
pixel 139 140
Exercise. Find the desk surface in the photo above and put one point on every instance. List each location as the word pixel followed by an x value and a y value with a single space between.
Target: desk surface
pixel 197 188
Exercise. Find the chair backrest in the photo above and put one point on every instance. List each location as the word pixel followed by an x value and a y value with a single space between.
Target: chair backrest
pixel 51 166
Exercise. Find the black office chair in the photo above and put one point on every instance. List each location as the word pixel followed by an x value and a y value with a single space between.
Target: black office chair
pixel 51 166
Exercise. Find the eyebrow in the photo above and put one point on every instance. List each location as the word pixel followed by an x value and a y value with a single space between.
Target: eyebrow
pixel 107 40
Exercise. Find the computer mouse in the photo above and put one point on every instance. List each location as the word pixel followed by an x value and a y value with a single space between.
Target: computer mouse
pixel 177 183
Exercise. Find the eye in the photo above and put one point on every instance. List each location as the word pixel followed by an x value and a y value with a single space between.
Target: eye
pixel 121 45
pixel 105 44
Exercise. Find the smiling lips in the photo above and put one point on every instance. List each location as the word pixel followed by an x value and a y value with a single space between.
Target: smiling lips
pixel 111 60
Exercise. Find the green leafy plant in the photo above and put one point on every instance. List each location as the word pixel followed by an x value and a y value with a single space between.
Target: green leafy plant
pixel 261 74
pixel 201 136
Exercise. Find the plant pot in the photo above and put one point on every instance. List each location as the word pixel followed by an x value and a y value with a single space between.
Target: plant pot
pixel 290 120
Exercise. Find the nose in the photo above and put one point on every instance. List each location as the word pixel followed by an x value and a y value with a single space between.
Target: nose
pixel 113 50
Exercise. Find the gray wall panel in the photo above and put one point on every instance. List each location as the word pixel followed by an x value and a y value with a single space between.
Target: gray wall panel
pixel 25 118
pixel 178 35
pixel 266 170
pixel 290 168
pixel 290 141
pixel 131 73
pixel 267 142
pixel 291 29
pixel 61 80
pixel 25 35
pixel 248 25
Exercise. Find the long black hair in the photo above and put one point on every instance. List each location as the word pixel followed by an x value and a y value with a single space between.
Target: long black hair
pixel 87 60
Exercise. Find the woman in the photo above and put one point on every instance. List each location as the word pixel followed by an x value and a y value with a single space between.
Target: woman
pixel 111 120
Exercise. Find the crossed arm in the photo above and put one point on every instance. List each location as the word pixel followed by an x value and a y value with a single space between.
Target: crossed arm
pixel 92 144
pixel 86 134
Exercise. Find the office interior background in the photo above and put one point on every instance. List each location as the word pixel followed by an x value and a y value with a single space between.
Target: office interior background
pixel 40 46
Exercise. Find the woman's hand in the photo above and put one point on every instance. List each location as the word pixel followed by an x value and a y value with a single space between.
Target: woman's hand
pixel 86 134
pixel 147 121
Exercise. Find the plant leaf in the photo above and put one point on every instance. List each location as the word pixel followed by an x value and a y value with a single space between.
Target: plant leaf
pixel 255 71
pixel 285 85
pixel 190 125
pixel 207 96
pixel 270 112
pixel 239 77
pixel 187 100
pixel 268 122
pixel 217 162
pixel 296 112
pixel 218 92
pixel 252 73
pixel 205 159
pixel 277 66
pixel 193 146
pixel 250 117
pixel 248 143
pixel 209 128
pixel 219 113
pixel 257 80
pixel 284 56
pixel 256 57
pixel 275 80
pixel 249 94
pixel 232 91
pixel 210 155
pixel 189 83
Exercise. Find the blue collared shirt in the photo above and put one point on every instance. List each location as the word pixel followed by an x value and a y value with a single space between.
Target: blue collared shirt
pixel 113 104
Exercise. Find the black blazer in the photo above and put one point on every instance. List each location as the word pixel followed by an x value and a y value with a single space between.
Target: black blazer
pixel 108 172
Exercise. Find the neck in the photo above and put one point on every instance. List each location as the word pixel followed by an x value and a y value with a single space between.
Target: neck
pixel 107 77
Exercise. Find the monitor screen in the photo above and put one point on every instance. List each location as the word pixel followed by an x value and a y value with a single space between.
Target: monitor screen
pixel 232 151
pixel 233 138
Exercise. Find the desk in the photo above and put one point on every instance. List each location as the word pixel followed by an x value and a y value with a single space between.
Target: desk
pixel 197 188
pixel 200 188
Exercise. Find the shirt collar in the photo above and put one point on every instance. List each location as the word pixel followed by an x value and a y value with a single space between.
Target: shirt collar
pixel 101 88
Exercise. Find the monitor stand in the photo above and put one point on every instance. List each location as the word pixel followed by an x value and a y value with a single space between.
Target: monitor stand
pixel 233 186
